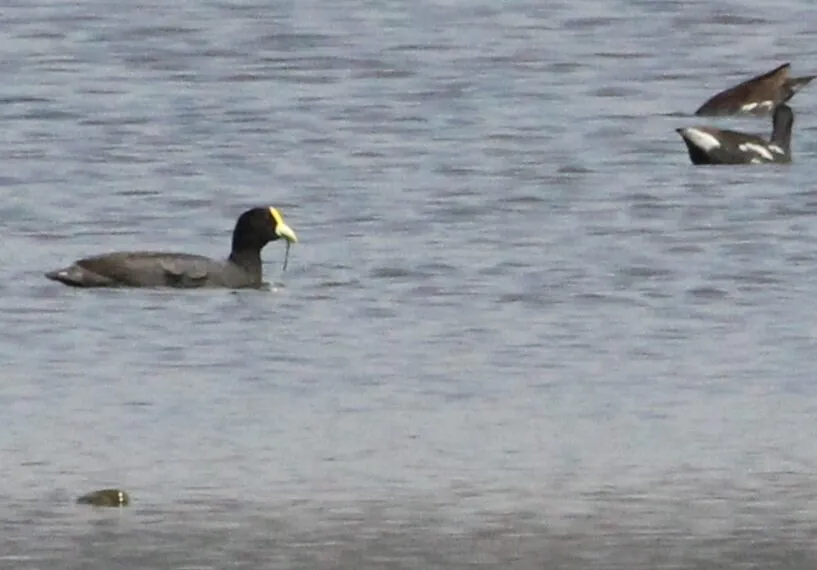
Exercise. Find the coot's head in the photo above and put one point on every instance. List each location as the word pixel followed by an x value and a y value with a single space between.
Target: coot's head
pixel 257 227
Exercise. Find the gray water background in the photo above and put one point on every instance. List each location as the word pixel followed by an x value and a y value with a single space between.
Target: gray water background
pixel 520 329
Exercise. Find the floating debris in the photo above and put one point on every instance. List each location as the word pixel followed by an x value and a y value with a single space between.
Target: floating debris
pixel 105 498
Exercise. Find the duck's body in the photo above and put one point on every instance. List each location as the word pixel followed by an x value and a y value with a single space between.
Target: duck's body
pixel 757 96
pixel 708 145
pixel 254 229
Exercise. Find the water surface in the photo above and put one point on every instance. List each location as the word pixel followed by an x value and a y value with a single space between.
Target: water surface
pixel 521 330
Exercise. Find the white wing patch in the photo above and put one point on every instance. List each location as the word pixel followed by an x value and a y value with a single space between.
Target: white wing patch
pixel 702 139
pixel 757 149
pixel 755 161
pixel 757 106
pixel 775 148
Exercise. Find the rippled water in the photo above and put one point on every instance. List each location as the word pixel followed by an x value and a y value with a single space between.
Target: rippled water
pixel 521 330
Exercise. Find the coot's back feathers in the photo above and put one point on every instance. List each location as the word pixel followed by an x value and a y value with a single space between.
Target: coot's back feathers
pixel 152 269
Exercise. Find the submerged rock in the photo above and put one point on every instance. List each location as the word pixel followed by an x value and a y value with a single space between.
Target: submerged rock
pixel 105 498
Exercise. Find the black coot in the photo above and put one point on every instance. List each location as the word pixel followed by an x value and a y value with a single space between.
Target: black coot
pixel 254 229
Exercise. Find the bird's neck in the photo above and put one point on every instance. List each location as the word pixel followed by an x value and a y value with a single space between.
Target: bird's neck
pixel 249 259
